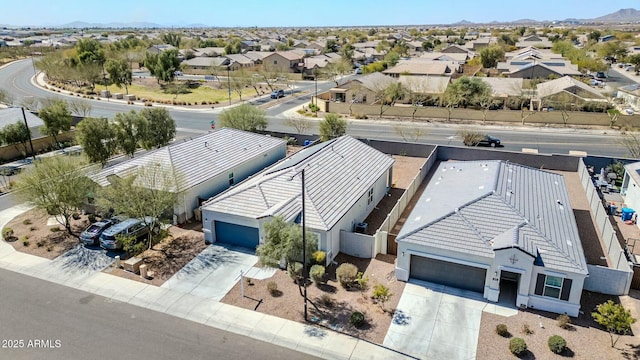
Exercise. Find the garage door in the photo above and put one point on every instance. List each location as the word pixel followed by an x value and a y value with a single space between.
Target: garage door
pixel 448 273
pixel 235 234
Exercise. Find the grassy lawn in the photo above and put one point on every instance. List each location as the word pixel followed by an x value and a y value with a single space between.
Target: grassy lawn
pixel 202 93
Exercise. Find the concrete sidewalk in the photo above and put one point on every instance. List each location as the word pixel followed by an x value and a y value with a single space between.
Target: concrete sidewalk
pixel 294 335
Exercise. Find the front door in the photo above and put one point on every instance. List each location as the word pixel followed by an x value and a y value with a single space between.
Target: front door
pixel 509 282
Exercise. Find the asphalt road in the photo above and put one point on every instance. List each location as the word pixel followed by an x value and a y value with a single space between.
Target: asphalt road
pixel 16 79
pixel 77 325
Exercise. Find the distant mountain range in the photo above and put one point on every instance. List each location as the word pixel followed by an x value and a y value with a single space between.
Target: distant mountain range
pixel 620 16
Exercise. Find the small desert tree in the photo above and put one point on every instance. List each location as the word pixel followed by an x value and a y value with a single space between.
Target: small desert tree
pixel 244 117
pixel 157 128
pixel 613 115
pixel 147 194
pixel 331 127
pixel 300 124
pixel 632 143
pixel 56 117
pixel 284 241
pixel 614 318
pixel 14 134
pixel 97 137
pixel 129 128
pixel 80 107
pixel 57 185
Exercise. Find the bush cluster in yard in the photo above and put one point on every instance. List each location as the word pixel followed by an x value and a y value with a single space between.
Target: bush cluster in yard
pixel 7 232
pixel 26 222
pixel 55 229
pixel 557 344
pixel 564 321
pixel 319 257
pixel 347 274
pixel 501 329
pixel 357 319
pixel 517 346
pixel 272 287
pixel 317 274
pixel 295 271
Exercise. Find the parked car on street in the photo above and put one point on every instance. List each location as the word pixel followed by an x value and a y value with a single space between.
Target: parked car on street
pixel 277 94
pixel 110 238
pixel 91 236
pixel 601 75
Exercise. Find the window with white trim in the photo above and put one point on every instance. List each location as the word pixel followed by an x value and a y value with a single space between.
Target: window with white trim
pixel 231 180
pixel 370 197
pixel 552 286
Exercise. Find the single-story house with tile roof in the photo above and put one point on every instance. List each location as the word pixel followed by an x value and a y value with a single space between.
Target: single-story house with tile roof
pixel 498 228
pixel 344 180
pixel 363 89
pixel 630 94
pixel 538 69
pixel 207 164
pixel 204 63
pixel 12 115
pixel 567 91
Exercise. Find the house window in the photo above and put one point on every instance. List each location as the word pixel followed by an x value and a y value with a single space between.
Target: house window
pixel 555 287
pixel 364 98
pixel 275 62
pixel 552 286
pixel 370 197
pixel 231 179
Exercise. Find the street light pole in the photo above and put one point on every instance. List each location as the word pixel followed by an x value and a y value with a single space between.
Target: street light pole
pixel 229 83
pixel 304 251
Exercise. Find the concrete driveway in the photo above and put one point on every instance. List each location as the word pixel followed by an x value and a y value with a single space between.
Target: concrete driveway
pixel 437 322
pixel 215 271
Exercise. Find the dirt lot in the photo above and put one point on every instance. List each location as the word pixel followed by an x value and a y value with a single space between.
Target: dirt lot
pixel 288 303
pixel 167 257
pixel 33 236
pixel 585 339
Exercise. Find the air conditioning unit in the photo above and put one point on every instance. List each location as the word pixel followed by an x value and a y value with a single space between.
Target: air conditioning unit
pixel 360 228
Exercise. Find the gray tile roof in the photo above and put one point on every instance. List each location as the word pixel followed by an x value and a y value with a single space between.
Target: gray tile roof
pixel 478 207
pixel 199 159
pixel 13 115
pixel 337 174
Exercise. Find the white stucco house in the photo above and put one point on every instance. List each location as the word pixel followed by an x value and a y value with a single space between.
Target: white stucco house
pixel 344 180
pixel 205 165
pixel 498 228
pixel 631 186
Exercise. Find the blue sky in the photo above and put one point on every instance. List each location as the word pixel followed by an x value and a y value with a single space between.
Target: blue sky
pixel 231 13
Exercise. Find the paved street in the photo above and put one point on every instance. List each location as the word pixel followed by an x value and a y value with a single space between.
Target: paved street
pixel 16 78
pixel 78 325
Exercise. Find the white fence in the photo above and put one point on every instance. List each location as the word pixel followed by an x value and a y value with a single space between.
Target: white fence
pixel 380 245
pixel 615 280
pixel 356 244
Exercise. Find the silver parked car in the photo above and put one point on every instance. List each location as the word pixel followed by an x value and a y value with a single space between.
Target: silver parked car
pixel 129 227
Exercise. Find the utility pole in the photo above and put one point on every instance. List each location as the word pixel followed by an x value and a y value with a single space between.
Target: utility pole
pixel 229 83
pixel 24 117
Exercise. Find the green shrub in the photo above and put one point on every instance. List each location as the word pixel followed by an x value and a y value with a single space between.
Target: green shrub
pixel 317 274
pixel 557 344
pixel 517 346
pixel 357 319
pixel 92 218
pixel 362 281
pixel 40 243
pixel 381 294
pixel 26 222
pixel 526 329
pixel 55 229
pixel 75 216
pixel 25 242
pixel 7 232
pixel 347 274
pixel 295 271
pixel 33 228
pixel 319 257
pixel 501 329
pixel 272 287
pixel 564 321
